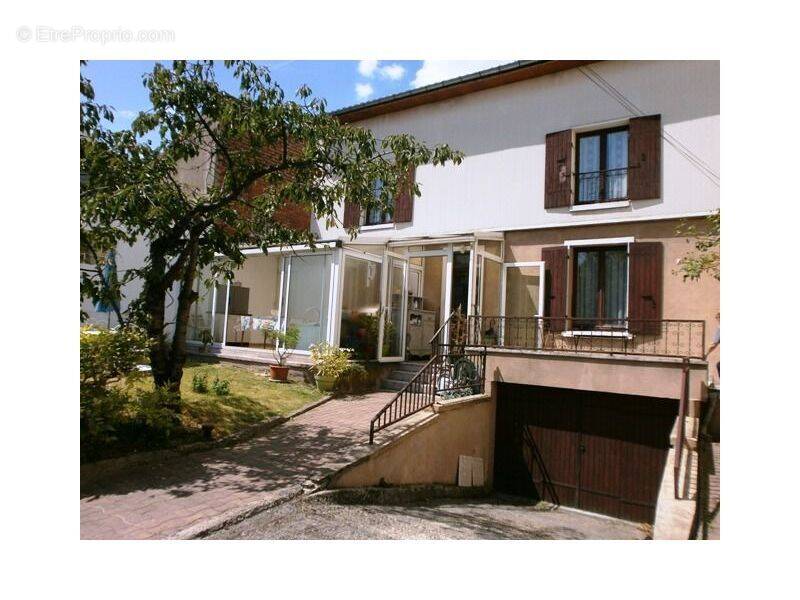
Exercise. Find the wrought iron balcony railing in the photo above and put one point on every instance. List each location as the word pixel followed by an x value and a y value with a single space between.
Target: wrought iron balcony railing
pixel 642 337
pixel 601 186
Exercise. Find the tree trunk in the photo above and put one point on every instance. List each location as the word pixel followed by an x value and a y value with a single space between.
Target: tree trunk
pixel 154 295
pixel 186 298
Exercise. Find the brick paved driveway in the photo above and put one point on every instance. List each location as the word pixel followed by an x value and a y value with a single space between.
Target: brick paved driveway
pixel 162 500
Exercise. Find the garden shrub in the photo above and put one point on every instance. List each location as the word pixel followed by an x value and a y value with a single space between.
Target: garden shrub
pixel 110 354
pixel 221 387
pixel 115 416
pixel 200 383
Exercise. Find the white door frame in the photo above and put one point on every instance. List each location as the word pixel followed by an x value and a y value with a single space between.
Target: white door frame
pixel 506 266
pixel 385 302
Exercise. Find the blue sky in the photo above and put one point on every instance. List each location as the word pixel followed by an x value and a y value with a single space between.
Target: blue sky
pixel 341 82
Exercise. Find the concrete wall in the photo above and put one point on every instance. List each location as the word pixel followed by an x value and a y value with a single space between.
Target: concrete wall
pixel 653 377
pixel 429 453
pixel 502 133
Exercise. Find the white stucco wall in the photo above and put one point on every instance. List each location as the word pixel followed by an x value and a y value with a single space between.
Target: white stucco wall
pixel 194 176
pixel 500 183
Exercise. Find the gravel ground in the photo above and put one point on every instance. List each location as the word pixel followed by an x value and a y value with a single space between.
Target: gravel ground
pixel 451 519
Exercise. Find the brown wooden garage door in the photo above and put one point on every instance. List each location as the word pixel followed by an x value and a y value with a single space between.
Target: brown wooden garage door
pixel 600 452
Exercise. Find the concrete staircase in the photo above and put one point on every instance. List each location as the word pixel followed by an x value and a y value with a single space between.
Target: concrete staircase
pixel 402 373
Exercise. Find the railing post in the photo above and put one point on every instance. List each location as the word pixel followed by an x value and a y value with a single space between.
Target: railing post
pixel 680 433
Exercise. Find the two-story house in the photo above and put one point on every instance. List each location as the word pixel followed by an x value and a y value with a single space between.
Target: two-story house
pixel 555 244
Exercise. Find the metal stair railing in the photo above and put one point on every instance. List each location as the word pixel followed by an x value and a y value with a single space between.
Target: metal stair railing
pixel 451 372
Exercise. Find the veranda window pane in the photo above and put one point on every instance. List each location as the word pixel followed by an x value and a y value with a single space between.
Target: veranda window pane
pixel 253 302
pixel 360 306
pixel 200 319
pixel 307 298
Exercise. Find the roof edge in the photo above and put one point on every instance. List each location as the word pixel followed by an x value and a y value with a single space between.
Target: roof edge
pixel 458 86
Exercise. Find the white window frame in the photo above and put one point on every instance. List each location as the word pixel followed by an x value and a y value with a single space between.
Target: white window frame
pixel 617 241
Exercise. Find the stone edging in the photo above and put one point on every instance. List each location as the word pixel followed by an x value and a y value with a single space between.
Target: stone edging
pixel 237 514
pixel 110 466
pixel 398 494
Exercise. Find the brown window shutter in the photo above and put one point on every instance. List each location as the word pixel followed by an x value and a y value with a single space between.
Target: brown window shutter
pixel 558 169
pixel 404 201
pixel 555 291
pixel 352 214
pixel 645 273
pixel 644 158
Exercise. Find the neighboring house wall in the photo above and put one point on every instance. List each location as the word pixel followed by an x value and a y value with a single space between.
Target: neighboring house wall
pixel 502 134
pixel 193 174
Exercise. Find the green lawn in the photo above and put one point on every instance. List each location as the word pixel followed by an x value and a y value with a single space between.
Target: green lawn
pixel 252 397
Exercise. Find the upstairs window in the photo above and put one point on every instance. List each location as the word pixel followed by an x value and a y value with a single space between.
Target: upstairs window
pixel 601 171
pixel 377 216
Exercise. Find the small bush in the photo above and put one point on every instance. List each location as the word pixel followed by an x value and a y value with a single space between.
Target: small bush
pixel 221 387
pixel 110 354
pixel 330 361
pixel 200 383
pixel 117 418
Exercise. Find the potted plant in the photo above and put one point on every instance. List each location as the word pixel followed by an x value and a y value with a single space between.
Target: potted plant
pixel 285 343
pixel 329 364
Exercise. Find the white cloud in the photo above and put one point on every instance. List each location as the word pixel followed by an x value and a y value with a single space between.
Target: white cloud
pixel 393 71
pixel 367 67
pixel 364 90
pixel 128 115
pixel 433 71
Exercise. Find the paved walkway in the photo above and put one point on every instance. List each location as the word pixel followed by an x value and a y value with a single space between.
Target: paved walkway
pixel 162 500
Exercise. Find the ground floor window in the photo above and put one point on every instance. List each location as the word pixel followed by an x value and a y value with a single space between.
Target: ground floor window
pixel 600 286
pixel 361 302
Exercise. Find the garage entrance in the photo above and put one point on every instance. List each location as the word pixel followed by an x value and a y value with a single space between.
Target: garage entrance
pixel 596 451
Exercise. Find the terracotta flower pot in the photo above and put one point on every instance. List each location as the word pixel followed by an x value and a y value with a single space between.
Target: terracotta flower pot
pixel 325 384
pixel 278 373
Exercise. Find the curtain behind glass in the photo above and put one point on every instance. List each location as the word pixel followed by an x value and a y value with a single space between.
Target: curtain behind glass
pixel 589 164
pixel 617 165
pixel 615 285
pixel 586 283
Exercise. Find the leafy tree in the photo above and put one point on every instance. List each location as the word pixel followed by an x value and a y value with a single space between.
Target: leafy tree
pixel 705 257
pixel 266 151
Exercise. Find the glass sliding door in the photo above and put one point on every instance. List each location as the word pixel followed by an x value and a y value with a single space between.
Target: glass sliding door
pixel 361 304
pixel 305 302
pixel 392 333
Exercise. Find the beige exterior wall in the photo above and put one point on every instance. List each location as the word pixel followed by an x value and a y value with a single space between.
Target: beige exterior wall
pixel 429 453
pixel 681 299
pixel 658 378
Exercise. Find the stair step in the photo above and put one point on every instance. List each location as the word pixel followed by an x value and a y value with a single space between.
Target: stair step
pixel 393 384
pixel 403 375
pixel 409 367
